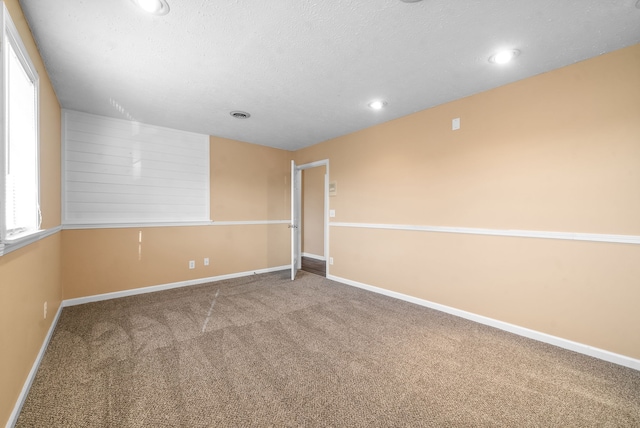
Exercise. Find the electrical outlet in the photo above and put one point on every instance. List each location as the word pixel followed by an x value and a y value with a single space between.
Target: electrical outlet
pixel 45 310
pixel 206 261
pixel 192 264
pixel 330 260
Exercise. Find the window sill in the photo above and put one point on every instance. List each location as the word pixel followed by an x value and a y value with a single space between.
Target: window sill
pixel 7 247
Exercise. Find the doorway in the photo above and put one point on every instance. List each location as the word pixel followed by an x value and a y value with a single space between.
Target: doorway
pixel 312 221
pixel 309 213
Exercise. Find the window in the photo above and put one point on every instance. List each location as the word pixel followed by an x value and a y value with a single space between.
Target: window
pixel 20 213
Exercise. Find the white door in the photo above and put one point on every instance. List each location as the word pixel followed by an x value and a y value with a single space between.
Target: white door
pixel 296 204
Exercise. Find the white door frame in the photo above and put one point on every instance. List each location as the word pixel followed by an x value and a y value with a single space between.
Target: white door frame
pixel 296 196
pixel 325 163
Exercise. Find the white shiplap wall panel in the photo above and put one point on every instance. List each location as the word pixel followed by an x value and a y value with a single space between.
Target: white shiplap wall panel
pixel 163 164
pixel 83 142
pixel 118 171
pixel 128 190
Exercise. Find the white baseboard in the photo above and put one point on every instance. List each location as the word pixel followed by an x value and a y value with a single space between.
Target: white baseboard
pixel 314 256
pixel 521 331
pixel 13 418
pixel 153 288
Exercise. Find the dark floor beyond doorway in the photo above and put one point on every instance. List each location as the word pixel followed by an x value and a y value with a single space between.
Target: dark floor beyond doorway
pixel 319 267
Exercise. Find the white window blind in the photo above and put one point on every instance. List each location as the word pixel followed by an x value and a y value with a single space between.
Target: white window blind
pixel 119 171
pixel 20 216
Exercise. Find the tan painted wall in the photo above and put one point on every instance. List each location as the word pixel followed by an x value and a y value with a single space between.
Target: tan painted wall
pixel 248 182
pixel 556 152
pixel 313 211
pixel 106 260
pixel 31 275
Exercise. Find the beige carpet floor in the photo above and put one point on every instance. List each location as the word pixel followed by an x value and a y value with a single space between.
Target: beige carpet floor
pixel 263 351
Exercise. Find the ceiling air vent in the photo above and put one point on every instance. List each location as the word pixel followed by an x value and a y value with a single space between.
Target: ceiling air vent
pixel 240 114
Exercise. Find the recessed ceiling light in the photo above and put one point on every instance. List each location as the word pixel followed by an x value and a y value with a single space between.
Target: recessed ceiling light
pixel 377 104
pixel 240 114
pixel 416 1
pixel 155 7
pixel 504 56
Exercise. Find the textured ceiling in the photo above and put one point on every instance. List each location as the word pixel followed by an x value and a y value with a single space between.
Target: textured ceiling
pixel 306 69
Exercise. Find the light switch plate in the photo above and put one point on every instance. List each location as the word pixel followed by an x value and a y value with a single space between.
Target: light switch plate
pixel 333 188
